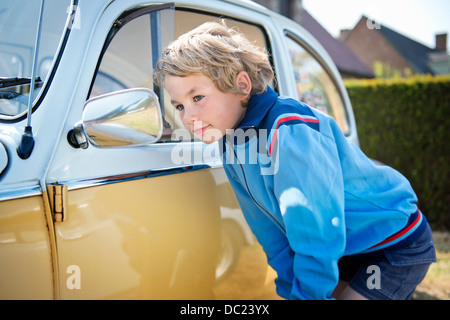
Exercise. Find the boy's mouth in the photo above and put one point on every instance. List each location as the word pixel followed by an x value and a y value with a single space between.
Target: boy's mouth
pixel 199 130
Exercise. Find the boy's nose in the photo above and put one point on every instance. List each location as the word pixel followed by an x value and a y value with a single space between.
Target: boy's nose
pixel 190 115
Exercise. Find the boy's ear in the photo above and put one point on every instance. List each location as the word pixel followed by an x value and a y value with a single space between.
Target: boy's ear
pixel 244 83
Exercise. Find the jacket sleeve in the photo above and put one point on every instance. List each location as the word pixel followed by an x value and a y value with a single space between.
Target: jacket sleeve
pixel 272 239
pixel 309 187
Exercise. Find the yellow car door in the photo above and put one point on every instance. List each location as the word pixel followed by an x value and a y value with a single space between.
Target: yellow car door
pixel 131 221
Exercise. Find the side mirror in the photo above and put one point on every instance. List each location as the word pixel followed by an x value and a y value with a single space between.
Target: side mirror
pixel 3 158
pixel 130 117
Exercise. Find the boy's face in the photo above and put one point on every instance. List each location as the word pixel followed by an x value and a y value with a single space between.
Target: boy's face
pixel 205 111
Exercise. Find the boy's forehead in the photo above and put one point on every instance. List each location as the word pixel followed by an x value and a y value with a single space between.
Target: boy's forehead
pixel 188 83
pixel 181 86
pixel 193 76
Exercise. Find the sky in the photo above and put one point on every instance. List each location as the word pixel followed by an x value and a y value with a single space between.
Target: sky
pixel 419 20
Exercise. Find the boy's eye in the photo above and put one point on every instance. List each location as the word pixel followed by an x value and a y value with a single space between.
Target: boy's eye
pixel 179 107
pixel 198 98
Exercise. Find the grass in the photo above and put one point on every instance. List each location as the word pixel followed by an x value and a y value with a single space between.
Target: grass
pixel 436 285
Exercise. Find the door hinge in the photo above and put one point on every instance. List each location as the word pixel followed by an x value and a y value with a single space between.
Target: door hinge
pixel 57 195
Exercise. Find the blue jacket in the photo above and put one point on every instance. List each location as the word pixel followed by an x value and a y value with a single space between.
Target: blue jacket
pixel 310 196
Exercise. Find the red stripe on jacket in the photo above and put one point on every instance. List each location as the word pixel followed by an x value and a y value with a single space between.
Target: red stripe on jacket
pixel 274 137
pixel 401 233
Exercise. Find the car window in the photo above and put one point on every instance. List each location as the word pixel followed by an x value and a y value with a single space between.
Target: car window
pixel 131 51
pixel 186 20
pixel 127 60
pixel 129 57
pixel 315 86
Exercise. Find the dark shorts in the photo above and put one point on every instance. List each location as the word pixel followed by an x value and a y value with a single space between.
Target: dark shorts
pixel 389 274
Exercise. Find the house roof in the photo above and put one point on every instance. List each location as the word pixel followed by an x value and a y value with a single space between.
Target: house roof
pixel 343 57
pixel 414 52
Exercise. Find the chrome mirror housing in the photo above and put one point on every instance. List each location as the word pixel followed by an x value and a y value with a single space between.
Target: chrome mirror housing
pixel 3 158
pixel 124 118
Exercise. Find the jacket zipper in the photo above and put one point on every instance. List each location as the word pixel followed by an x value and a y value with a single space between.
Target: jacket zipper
pixel 267 213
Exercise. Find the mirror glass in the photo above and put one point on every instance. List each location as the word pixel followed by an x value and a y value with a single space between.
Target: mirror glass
pixel 123 118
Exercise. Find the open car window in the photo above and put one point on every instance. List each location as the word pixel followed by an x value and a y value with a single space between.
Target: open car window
pixel 315 86
pixel 129 58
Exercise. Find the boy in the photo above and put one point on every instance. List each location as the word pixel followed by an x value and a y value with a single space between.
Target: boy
pixel 333 225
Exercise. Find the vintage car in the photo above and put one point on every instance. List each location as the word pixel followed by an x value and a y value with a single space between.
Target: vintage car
pixel 99 198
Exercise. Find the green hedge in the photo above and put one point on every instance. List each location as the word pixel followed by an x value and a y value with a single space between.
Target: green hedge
pixel 405 123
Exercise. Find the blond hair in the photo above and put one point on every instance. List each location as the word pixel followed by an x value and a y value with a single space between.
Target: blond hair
pixel 218 52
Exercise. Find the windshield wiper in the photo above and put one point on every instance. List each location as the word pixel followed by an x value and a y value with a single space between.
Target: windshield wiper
pixel 15 81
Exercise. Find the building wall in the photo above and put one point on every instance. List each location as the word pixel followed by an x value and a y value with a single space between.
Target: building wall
pixel 370 47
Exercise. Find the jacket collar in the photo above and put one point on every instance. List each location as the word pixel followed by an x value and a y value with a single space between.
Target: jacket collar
pixel 257 108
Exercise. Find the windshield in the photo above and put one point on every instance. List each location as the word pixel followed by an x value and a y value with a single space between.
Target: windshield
pixel 18 28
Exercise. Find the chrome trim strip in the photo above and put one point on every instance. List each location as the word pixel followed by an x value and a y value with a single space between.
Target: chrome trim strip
pixel 31 191
pixel 20 192
pixel 93 182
